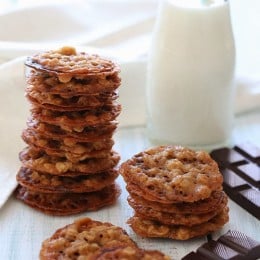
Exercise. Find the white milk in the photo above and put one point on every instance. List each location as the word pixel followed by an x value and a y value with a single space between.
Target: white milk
pixel 190 74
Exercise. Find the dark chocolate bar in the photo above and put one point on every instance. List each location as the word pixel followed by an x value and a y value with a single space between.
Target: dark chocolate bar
pixel 240 167
pixel 233 245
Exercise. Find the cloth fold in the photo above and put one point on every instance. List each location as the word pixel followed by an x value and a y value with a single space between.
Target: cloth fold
pixel 92 23
pixel 119 29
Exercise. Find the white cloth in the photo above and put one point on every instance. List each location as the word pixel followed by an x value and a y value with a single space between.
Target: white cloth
pixel 119 29
pixel 105 24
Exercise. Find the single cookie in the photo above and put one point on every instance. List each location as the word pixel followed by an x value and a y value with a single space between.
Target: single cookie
pixel 70 148
pixel 74 157
pixel 174 218
pixel 129 253
pixel 150 228
pixel 173 173
pixel 82 134
pixel 67 62
pixel 84 239
pixel 71 144
pixel 197 207
pixel 77 119
pixel 78 85
pixel 68 203
pixel 38 160
pixel 46 183
pixel 133 188
pixel 69 103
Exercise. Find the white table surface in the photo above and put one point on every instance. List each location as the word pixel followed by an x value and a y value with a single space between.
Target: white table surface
pixel 23 229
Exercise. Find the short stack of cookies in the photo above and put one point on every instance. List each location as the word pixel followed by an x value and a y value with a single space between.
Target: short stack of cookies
pixel 69 164
pixel 175 192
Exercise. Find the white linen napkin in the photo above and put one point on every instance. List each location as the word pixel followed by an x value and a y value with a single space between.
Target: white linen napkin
pixel 119 29
pixel 92 23
pixel 12 113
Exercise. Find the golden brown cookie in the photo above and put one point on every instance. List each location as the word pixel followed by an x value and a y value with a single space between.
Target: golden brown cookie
pixel 62 204
pixel 77 119
pixel 67 62
pixel 129 253
pixel 174 218
pixel 39 161
pixel 132 188
pixel 173 173
pixel 69 103
pixel 71 144
pixel 84 239
pixel 83 134
pixel 74 157
pixel 78 85
pixel 71 148
pixel 196 207
pixel 150 228
pixel 46 183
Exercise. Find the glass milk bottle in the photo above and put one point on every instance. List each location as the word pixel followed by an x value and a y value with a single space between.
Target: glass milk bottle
pixel 190 74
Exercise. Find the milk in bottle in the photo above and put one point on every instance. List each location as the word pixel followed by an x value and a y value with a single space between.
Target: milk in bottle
pixel 190 74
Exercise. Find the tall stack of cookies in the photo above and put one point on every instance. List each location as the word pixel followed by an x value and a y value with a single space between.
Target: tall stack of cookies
pixel 175 193
pixel 69 165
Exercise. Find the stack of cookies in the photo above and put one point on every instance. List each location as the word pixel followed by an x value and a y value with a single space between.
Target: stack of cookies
pixel 175 193
pixel 94 240
pixel 69 165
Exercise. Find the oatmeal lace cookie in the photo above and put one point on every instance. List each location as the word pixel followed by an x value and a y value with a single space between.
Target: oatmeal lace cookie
pixel 180 218
pixel 78 85
pixel 94 240
pixel 73 149
pixel 67 61
pixel 38 160
pixel 129 253
pixel 69 103
pixel 173 173
pixel 151 228
pixel 63 204
pixel 83 134
pixel 77 119
pixel 47 183
pixel 197 207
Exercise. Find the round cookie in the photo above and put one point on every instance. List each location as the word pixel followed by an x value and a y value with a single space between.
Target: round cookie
pixel 129 253
pixel 173 173
pixel 166 218
pixel 71 148
pixel 46 183
pixel 78 85
pixel 38 160
pixel 63 204
pixel 82 134
pixel 150 228
pixel 67 62
pixel 197 207
pixel 71 144
pixel 84 239
pixel 69 103
pixel 77 119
